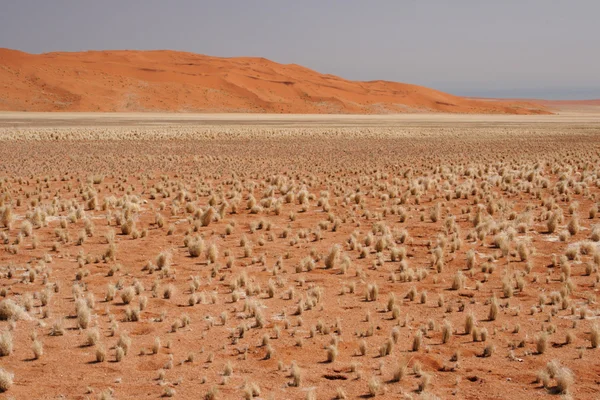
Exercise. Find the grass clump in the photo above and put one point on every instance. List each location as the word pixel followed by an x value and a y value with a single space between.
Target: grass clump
pixel 541 343
pixel 9 310
pixel 494 309
pixel 6 380
pixel 332 353
pixel 595 336
pixel 374 387
pixel 195 247
pixel 563 378
pixel 6 344
pixel 332 258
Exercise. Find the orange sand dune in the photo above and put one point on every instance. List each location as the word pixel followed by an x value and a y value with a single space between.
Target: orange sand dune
pixel 187 82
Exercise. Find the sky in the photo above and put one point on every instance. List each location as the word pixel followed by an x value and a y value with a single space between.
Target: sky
pixel 491 48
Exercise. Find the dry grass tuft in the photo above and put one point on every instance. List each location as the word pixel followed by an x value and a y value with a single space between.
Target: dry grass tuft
pixel 6 344
pixel 595 336
pixel 10 310
pixel 374 387
pixel 6 380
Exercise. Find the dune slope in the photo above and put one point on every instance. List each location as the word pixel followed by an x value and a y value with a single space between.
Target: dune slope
pixel 186 82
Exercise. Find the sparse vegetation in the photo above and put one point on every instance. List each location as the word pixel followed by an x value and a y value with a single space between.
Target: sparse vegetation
pixel 208 256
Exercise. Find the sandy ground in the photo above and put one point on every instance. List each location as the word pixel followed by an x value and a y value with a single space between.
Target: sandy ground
pixel 65 119
pixel 330 244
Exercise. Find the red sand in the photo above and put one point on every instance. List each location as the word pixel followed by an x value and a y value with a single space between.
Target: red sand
pixel 188 82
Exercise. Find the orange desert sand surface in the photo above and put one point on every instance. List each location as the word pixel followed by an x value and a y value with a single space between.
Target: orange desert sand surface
pixel 428 256
pixel 170 81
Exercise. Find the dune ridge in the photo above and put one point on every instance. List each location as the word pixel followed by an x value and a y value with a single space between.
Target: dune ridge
pixel 171 81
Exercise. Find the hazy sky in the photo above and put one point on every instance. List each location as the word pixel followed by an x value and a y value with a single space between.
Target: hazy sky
pixel 505 48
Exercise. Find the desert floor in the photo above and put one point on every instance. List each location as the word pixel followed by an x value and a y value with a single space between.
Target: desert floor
pixel 299 257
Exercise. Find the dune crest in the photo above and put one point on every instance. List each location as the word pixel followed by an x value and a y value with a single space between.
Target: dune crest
pixel 139 81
